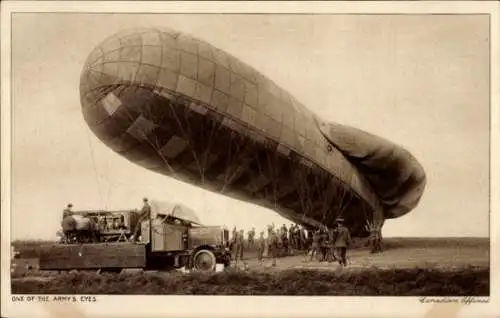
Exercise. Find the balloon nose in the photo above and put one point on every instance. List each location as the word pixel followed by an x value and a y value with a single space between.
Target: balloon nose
pixel 122 58
pixel 144 59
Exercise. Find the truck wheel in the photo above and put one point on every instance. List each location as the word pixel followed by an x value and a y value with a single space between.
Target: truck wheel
pixel 204 260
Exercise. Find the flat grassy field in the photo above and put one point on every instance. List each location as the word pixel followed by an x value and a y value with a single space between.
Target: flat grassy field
pixel 407 267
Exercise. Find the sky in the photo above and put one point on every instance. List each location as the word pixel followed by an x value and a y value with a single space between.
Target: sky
pixel 420 81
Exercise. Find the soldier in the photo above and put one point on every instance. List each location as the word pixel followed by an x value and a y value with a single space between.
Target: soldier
pixel 238 246
pixel 234 234
pixel 302 238
pixel 284 238
pixel 67 211
pixel 273 246
pixel 116 224
pixel 331 245
pixel 309 238
pixel 251 235
pixel 342 241
pixel 315 245
pixel 324 246
pixel 103 224
pixel 68 224
pixel 291 238
pixel 377 241
pixel 278 237
pixel 374 239
pixel 261 244
pixel 242 234
pixel 121 222
pixel 145 214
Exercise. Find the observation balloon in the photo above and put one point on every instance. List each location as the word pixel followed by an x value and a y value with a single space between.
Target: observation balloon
pixel 183 108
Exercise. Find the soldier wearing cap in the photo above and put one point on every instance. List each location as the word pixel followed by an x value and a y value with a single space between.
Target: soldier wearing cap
pixel 68 224
pixel 331 245
pixel 67 211
pixel 342 241
pixel 291 238
pixel 273 245
pixel 324 246
pixel 234 234
pixel 238 246
pixel 261 245
pixel 315 246
pixel 251 237
pixel 284 239
pixel 145 214
pixel 377 241
pixel 302 239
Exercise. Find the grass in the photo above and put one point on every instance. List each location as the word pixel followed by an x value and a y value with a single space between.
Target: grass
pixel 471 281
pixel 407 267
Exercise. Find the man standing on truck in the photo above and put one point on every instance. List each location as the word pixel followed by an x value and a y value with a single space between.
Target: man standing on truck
pixel 67 211
pixel 68 224
pixel 145 215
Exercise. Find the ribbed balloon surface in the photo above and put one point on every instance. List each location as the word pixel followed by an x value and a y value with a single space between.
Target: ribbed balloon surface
pixel 183 108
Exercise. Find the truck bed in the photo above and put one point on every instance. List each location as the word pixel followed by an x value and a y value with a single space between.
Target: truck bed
pixel 93 256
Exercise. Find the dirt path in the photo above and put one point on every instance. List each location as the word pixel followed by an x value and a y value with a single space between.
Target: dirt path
pixel 428 257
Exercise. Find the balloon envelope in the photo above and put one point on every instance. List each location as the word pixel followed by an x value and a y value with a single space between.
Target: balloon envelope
pixel 183 108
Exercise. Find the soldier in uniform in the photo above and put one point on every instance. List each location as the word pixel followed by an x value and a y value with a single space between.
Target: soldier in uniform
pixel 232 242
pixel 309 238
pixel 302 239
pixel 68 224
pixel 377 242
pixel 284 239
pixel 315 248
pixel 291 238
pixel 375 239
pixel 260 247
pixel 279 242
pixel 342 241
pixel 251 235
pixel 145 215
pixel 331 245
pixel 273 246
pixel 268 239
pixel 67 211
pixel 324 246
pixel 238 246
pixel 234 234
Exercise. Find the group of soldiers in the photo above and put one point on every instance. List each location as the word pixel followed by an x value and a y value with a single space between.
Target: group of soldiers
pixel 323 244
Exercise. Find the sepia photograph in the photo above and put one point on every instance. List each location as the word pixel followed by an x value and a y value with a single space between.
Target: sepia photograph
pixel 248 154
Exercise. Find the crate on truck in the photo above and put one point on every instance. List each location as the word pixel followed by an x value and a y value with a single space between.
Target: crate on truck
pixel 171 237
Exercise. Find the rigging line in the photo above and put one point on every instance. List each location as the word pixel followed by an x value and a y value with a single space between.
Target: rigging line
pixel 94 165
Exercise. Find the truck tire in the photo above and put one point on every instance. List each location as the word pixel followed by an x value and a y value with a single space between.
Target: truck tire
pixel 204 261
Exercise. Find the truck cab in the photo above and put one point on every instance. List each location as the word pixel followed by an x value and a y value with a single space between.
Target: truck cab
pixel 175 237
